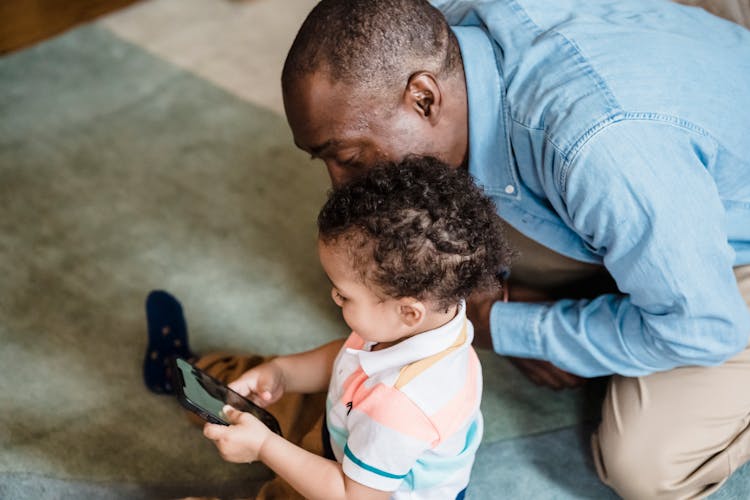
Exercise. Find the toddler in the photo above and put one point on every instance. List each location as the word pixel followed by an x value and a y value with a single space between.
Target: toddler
pixel 403 247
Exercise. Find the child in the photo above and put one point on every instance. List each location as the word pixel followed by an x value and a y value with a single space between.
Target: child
pixel 403 247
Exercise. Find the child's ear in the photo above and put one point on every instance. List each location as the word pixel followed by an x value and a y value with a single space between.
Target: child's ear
pixel 412 312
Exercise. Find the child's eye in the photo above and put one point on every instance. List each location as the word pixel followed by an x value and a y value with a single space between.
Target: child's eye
pixel 340 297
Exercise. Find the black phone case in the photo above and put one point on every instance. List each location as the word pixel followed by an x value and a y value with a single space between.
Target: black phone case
pixel 239 402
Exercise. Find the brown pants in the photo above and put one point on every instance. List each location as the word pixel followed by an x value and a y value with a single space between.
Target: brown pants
pixel 300 415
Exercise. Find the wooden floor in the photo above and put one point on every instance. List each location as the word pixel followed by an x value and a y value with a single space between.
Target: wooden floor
pixel 25 22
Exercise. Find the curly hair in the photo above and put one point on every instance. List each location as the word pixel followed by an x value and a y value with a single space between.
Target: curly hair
pixel 418 228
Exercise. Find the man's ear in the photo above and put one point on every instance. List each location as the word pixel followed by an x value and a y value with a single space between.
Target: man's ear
pixel 424 96
pixel 412 312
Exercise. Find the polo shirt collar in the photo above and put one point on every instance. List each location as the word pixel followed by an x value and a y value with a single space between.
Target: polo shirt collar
pixel 490 160
pixel 415 348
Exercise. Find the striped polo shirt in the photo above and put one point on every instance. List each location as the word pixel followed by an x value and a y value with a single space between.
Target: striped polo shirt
pixel 406 418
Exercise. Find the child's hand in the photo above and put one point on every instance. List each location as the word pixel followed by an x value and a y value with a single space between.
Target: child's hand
pixel 263 384
pixel 241 441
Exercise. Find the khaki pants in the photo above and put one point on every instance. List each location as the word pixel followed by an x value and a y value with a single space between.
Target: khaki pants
pixel 674 434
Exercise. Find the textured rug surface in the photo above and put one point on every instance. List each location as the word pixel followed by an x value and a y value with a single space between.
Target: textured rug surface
pixel 120 173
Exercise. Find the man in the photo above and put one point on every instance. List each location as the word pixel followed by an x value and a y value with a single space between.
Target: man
pixel 612 137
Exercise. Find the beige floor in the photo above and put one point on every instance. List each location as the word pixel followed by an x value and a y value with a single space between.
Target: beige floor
pixel 238 45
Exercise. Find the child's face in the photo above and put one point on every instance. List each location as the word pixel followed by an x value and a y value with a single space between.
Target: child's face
pixel 372 315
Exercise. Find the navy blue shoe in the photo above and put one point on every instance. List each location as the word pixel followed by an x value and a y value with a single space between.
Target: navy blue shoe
pixel 167 338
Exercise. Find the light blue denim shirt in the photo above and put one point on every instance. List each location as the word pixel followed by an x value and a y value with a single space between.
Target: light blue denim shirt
pixel 616 133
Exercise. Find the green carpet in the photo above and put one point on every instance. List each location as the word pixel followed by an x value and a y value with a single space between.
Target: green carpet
pixel 120 173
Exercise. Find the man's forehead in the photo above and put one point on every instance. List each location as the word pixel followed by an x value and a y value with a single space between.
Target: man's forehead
pixel 318 88
pixel 328 136
pixel 326 118
pixel 333 99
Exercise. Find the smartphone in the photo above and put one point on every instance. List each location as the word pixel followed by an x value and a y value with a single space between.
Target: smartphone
pixel 204 395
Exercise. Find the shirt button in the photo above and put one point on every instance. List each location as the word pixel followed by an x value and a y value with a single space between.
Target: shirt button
pixel 510 189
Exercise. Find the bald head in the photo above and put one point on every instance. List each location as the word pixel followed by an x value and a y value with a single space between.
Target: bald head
pixel 374 44
pixel 367 81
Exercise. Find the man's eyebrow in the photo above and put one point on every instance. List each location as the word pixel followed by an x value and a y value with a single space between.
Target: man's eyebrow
pixel 317 150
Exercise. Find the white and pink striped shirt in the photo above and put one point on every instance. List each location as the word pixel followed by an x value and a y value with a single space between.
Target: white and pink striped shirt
pixel 406 418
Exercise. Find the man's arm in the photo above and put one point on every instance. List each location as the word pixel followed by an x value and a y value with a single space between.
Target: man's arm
pixel 540 372
pixel 639 194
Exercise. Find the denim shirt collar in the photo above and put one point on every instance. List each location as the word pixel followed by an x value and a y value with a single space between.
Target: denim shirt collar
pixel 490 161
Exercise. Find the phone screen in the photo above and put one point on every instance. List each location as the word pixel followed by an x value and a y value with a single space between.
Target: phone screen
pixel 200 390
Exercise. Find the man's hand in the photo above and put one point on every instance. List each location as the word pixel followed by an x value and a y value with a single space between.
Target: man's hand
pixel 478 308
pixel 263 384
pixel 546 374
pixel 241 441
pixel 540 372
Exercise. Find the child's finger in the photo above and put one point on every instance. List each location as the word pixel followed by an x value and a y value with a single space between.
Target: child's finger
pixel 234 416
pixel 244 385
pixel 265 388
pixel 214 431
pixel 266 394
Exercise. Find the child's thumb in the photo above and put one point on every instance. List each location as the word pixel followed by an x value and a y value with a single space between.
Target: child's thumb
pixel 214 431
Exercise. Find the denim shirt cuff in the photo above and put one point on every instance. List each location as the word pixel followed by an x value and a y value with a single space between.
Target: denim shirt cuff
pixel 515 329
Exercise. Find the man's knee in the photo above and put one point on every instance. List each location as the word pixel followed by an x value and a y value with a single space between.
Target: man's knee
pixel 630 466
pixel 647 466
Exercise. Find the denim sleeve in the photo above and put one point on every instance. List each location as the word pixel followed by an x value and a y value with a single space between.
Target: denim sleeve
pixel 641 194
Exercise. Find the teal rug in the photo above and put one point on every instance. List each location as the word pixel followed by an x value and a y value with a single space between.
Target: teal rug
pixel 120 173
